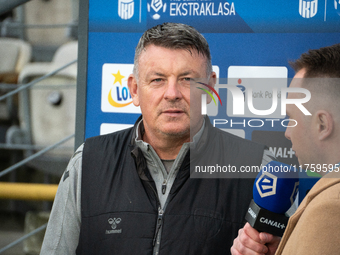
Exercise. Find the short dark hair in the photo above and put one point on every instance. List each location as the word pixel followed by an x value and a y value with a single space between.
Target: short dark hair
pixel 323 62
pixel 174 36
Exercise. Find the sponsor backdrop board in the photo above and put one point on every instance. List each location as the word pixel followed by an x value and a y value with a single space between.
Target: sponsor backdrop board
pixel 248 39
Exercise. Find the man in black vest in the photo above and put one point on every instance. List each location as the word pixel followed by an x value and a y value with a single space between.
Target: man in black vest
pixel 130 192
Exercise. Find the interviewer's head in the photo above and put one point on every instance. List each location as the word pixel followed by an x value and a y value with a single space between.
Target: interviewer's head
pixel 314 138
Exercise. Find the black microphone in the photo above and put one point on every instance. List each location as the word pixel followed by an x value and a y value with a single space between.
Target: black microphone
pixel 274 191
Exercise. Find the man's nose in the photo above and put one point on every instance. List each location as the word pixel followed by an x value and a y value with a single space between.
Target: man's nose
pixel 173 91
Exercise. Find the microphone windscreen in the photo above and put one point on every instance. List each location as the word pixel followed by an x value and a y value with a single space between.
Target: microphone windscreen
pixel 276 186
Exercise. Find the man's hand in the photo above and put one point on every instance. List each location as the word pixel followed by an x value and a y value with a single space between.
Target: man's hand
pixel 251 242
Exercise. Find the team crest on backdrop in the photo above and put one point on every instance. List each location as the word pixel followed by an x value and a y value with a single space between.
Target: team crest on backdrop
pixel 126 8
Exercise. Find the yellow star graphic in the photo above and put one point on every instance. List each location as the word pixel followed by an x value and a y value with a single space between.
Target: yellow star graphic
pixel 118 78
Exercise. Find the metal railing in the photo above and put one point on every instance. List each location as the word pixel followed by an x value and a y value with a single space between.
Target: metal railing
pixel 36 26
pixel 38 154
pixel 23 238
pixel 30 84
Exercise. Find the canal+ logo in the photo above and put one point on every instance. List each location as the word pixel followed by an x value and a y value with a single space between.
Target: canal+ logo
pixel 115 96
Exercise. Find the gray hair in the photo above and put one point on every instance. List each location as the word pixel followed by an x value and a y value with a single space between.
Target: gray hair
pixel 173 36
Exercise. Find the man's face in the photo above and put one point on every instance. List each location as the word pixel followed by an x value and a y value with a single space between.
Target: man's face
pixel 163 90
pixel 300 135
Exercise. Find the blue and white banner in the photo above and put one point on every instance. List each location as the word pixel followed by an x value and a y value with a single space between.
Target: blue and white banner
pixel 217 16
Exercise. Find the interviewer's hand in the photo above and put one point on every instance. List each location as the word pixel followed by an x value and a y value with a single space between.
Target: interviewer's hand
pixel 251 242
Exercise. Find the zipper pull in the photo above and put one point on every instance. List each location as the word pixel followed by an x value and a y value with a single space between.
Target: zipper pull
pixel 164 186
pixel 159 224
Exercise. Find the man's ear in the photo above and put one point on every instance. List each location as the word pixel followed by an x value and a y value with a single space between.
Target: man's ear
pixel 212 83
pixel 133 88
pixel 324 124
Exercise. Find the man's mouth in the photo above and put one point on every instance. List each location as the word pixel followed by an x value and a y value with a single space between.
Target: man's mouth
pixel 173 112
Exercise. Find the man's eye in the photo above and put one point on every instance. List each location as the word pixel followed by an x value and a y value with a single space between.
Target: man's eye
pixel 157 80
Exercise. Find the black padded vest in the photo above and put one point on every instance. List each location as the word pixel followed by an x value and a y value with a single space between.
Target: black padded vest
pixel 120 204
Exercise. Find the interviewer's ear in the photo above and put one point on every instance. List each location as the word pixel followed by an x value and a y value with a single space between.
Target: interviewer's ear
pixel 324 124
pixel 133 88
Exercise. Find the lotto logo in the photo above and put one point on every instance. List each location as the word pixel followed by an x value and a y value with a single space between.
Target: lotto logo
pixel 115 95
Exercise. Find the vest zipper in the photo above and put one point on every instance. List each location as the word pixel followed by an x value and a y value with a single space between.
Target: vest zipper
pixel 159 216
pixel 159 224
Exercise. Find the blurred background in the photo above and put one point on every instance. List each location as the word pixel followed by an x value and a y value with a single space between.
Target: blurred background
pixel 38 73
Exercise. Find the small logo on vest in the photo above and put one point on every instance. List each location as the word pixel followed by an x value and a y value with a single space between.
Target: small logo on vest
pixel 114 222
